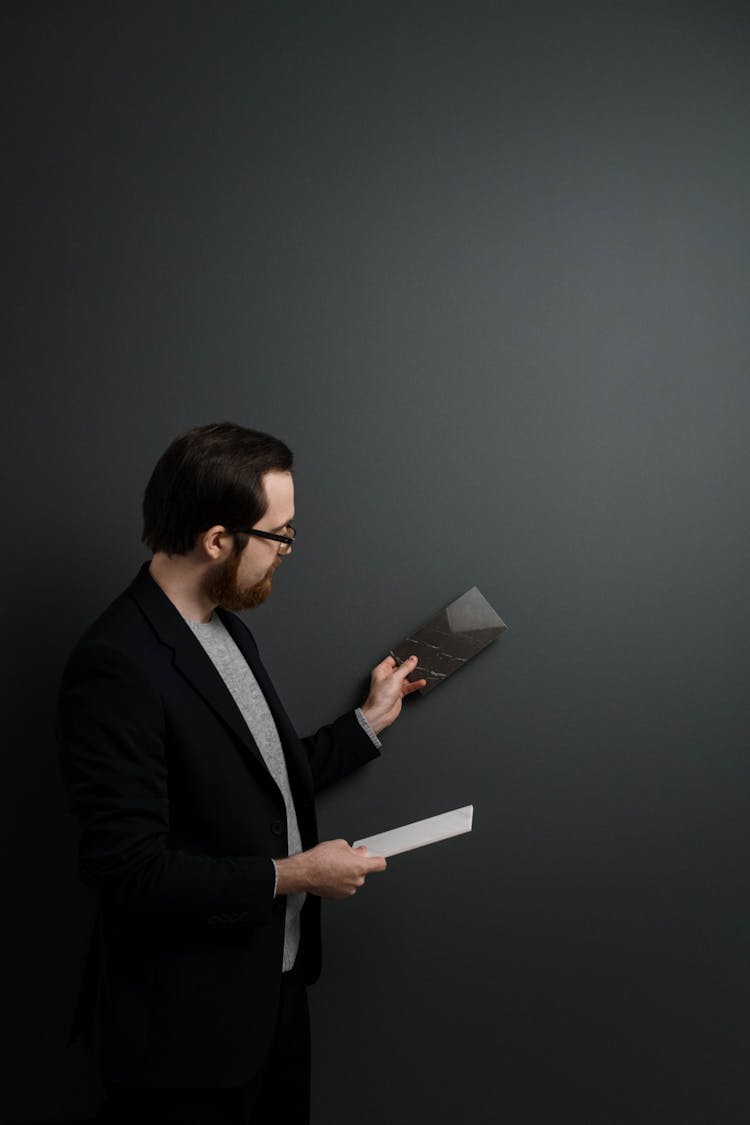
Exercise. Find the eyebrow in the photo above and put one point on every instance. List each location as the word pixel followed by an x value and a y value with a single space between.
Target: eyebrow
pixel 281 526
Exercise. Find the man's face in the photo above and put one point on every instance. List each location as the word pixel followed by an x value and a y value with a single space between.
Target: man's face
pixel 244 581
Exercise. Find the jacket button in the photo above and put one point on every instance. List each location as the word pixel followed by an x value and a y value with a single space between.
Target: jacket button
pixel 277 827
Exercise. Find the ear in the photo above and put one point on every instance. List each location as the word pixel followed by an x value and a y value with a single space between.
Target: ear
pixel 215 544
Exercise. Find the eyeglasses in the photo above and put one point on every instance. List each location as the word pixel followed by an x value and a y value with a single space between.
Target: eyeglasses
pixel 285 540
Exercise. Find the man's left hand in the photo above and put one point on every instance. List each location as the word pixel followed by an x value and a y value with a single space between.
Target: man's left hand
pixel 388 688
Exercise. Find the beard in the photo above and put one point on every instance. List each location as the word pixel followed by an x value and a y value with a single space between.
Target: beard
pixel 222 587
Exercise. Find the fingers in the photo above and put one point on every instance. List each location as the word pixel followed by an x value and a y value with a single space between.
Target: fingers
pixel 374 862
pixel 409 686
pixel 367 865
pixel 377 863
pixel 405 668
pixel 390 666
pixel 382 670
pixel 338 870
pixel 388 669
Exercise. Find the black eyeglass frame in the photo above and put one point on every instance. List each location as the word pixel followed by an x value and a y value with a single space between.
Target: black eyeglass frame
pixel 287 540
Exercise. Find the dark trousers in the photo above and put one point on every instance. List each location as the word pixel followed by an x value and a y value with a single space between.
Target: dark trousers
pixel 279 1092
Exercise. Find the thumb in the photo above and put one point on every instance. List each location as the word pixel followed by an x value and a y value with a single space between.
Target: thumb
pixel 408 666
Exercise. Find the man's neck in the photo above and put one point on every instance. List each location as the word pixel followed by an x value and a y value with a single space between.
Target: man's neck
pixel 180 578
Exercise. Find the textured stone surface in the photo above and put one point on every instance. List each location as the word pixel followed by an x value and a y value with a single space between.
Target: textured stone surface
pixel 448 641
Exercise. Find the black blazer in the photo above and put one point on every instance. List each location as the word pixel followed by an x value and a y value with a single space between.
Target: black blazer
pixel 179 816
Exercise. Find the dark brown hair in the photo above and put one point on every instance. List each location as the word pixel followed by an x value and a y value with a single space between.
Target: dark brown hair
pixel 210 475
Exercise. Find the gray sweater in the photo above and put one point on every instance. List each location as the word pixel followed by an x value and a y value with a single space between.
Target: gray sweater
pixel 243 687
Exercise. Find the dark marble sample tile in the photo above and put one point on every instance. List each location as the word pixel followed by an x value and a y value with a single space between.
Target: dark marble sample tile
pixel 445 643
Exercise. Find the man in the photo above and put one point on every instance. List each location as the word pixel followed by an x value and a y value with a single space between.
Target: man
pixel 194 796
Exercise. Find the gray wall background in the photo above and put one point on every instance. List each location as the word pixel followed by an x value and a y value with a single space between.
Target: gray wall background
pixel 485 268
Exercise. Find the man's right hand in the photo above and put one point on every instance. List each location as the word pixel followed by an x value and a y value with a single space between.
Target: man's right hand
pixel 333 869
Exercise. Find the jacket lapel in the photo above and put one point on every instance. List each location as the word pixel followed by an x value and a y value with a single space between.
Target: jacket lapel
pixel 191 659
pixel 296 758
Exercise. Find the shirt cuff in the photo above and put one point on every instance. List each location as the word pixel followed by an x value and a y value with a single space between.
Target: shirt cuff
pixel 367 728
pixel 275 877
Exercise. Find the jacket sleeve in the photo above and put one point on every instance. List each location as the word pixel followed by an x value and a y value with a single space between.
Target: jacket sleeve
pixel 338 749
pixel 111 733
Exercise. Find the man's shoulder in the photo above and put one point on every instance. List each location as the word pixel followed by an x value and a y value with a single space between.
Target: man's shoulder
pixel 119 621
pixel 123 625
pixel 118 665
pixel 142 621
